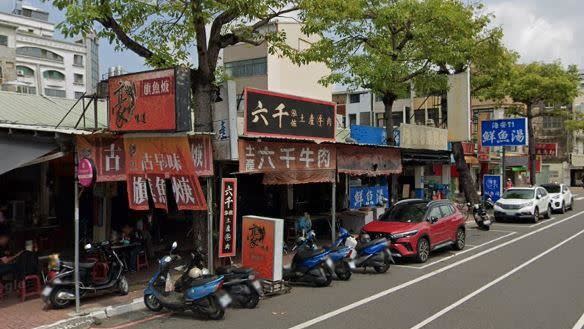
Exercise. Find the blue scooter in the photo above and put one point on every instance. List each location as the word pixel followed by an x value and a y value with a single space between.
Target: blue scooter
pixel 309 265
pixel 196 290
pixel 367 253
pixel 339 254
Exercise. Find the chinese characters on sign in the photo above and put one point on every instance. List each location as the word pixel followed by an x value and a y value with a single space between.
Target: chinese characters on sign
pixel 492 186
pixel 228 218
pixel 150 101
pixel 546 149
pixel 280 115
pixel 202 153
pixel 151 161
pixel 262 246
pixel 505 132
pixel 365 196
pixel 256 157
pixel 107 153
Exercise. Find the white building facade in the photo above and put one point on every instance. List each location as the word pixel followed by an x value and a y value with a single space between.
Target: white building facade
pixel 32 61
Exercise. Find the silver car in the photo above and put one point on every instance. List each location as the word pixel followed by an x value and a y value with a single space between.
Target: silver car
pixel 561 197
pixel 523 203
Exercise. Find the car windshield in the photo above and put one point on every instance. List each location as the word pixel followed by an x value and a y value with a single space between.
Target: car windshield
pixel 552 188
pixel 405 212
pixel 518 194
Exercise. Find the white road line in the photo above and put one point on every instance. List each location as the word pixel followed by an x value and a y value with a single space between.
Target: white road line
pixel 580 198
pixel 529 226
pixel 456 254
pixel 391 290
pixel 580 323
pixel 492 283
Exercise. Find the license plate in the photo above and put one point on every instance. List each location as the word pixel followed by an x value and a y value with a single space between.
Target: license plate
pixel 224 300
pixel 352 265
pixel 329 263
pixel 487 222
pixel 47 291
pixel 258 286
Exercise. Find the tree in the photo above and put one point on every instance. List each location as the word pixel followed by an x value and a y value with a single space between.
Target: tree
pixel 164 32
pixel 544 90
pixel 384 45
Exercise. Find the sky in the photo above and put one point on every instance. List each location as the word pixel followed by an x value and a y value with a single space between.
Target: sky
pixel 543 30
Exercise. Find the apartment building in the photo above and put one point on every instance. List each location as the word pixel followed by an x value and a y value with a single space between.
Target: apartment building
pixel 33 61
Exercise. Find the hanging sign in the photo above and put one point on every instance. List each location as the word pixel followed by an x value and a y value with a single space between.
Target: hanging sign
pixel 85 173
pixel 202 153
pixel 107 154
pixel 157 185
pixel 547 149
pixel 270 114
pixel 228 218
pixel 150 101
pixel 492 186
pixel 263 245
pixel 504 132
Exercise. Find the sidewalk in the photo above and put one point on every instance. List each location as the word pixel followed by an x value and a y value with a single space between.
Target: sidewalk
pixel 33 313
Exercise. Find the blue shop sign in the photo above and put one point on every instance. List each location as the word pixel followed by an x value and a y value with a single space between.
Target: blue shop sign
pixel 504 132
pixel 492 187
pixel 367 196
pixel 368 135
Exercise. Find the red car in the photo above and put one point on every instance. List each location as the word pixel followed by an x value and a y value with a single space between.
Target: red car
pixel 416 227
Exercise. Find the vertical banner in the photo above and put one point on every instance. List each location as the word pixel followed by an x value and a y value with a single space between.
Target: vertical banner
pixel 228 218
pixel 157 186
pixel 459 120
pixel 262 247
pixel 137 192
pixel 492 186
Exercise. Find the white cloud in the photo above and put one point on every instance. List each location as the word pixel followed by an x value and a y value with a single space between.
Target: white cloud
pixel 536 34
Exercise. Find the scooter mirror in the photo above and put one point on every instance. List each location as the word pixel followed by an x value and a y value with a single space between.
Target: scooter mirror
pixel 174 245
pixel 87 246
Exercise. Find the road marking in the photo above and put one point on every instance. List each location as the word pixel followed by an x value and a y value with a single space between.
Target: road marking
pixel 136 322
pixel 391 290
pixel 457 253
pixel 528 226
pixel 580 198
pixel 494 282
pixel 580 323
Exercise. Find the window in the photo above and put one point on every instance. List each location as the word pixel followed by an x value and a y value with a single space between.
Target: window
pixel 24 71
pixel 446 210
pixel 1 74
pixel 55 92
pixel 352 119
pixel 26 90
pixel 364 118
pixel 397 117
pixel 355 98
pixel 78 60
pixel 3 40
pixel 380 119
pixel 552 122
pixel 39 53
pixel 78 78
pixel 435 213
pixel 247 68
pixel 54 75
pixel 78 94
pixel 378 98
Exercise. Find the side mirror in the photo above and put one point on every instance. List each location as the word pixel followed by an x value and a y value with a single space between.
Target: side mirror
pixel 433 219
pixel 538 197
pixel 174 245
pixel 87 246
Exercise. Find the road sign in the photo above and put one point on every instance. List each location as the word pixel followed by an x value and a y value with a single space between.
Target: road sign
pixel 504 132
pixel 492 186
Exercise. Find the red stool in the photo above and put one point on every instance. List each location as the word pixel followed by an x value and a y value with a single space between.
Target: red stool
pixel 100 271
pixel 141 261
pixel 30 286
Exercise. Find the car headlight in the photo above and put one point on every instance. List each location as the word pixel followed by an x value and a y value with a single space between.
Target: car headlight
pixel 557 197
pixel 499 204
pixel 404 234
pixel 527 204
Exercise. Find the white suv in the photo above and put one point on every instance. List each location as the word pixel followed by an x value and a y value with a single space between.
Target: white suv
pixel 523 203
pixel 561 197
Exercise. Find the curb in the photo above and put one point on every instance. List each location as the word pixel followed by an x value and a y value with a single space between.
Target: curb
pixel 85 320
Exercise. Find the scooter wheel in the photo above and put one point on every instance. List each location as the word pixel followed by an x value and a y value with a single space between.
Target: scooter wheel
pixel 344 273
pixel 55 301
pixel 216 311
pixel 253 300
pixel 123 286
pixel 328 278
pixel 384 268
pixel 152 303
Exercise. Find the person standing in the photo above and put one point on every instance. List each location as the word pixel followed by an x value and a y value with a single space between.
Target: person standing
pixel 508 184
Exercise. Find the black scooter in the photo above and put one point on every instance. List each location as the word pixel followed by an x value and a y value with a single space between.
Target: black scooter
pixel 480 215
pixel 59 292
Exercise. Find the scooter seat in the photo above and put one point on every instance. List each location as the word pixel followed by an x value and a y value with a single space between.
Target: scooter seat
pixel 308 253
pixel 234 270
pixel 88 265
pixel 370 243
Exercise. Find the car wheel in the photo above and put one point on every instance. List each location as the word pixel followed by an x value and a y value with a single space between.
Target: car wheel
pixel 460 239
pixel 423 250
pixel 571 204
pixel 535 215
pixel 548 213
pixel 563 208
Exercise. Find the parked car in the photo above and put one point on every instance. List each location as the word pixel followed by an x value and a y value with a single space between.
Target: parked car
pixel 417 227
pixel 523 203
pixel 561 197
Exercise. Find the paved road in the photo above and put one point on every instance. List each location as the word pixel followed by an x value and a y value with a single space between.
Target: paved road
pixel 515 276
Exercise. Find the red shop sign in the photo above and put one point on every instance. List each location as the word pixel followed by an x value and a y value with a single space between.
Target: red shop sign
pixel 85 173
pixel 150 101
pixel 228 218
pixel 549 149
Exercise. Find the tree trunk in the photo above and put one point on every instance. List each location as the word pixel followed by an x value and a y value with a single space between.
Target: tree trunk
pixel 203 95
pixel 531 145
pixel 388 100
pixel 466 183
pixel 468 187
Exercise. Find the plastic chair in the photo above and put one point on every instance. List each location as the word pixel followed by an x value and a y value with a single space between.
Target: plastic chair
pixel 142 261
pixel 30 286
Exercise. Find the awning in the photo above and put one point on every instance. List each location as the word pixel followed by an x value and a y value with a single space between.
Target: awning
pixel 368 161
pixel 423 157
pixel 298 177
pixel 471 160
pixel 18 152
pixel 517 161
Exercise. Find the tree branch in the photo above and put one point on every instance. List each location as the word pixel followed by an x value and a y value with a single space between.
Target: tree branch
pixel 110 23
pixel 269 17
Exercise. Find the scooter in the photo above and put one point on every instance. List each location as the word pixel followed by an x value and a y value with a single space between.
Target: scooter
pixel 198 292
pixel 480 215
pixel 339 254
pixel 239 282
pixel 59 292
pixel 309 265
pixel 368 253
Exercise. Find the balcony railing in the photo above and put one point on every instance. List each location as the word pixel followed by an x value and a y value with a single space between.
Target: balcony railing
pixel 423 137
